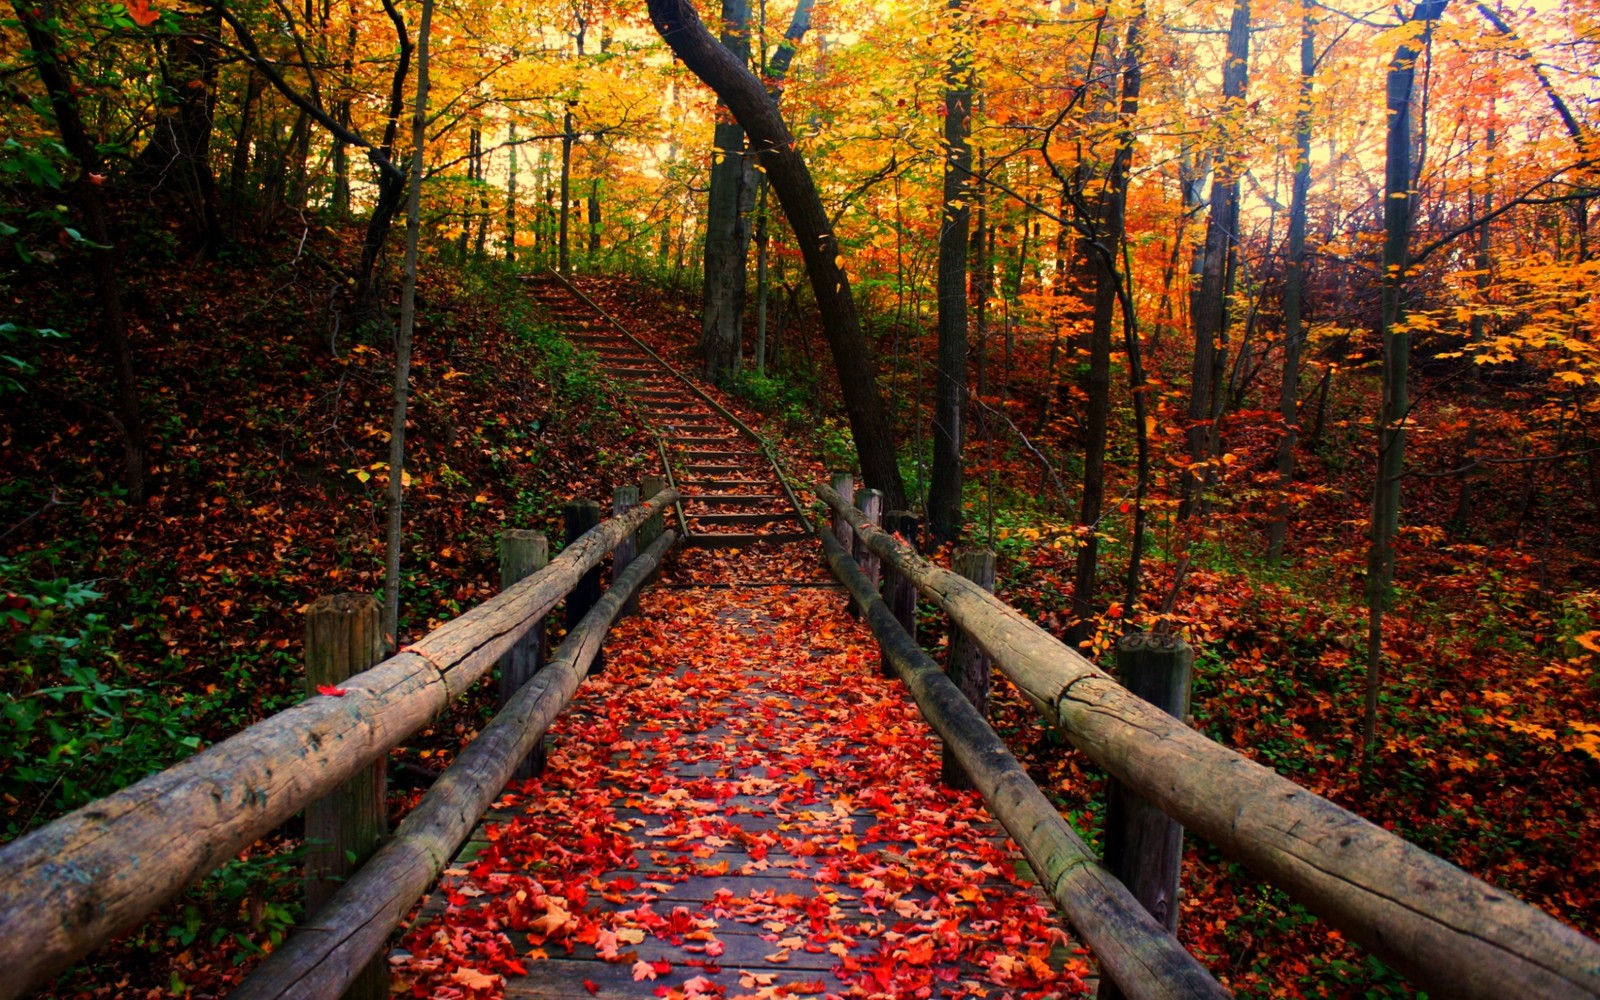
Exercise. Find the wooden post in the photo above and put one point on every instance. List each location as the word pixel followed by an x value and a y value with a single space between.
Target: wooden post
pixel 870 503
pixel 651 530
pixel 581 515
pixel 968 665
pixel 344 637
pixel 844 484
pixel 624 499
pixel 1143 846
pixel 523 552
pixel 899 593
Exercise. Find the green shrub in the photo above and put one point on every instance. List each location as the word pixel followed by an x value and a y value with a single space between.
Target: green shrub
pixel 77 727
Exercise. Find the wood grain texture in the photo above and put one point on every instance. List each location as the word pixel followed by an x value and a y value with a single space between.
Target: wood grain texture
pixel 1141 955
pixel 98 871
pixel 324 957
pixel 1449 932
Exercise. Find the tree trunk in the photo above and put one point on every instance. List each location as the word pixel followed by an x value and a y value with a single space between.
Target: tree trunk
pixel 474 153
pixel 1209 308
pixel 1395 407
pixel 402 361
pixel 340 197
pixel 727 230
pixel 593 250
pixel 55 72
pixel 762 240
pixel 563 255
pixel 483 205
pixel 391 185
pixel 238 173
pixel 945 517
pixel 1108 282
pixel 1294 287
pixel 732 199
pixel 179 151
pixel 682 29
pixel 511 198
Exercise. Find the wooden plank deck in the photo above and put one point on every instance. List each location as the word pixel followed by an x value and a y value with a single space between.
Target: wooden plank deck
pixel 739 807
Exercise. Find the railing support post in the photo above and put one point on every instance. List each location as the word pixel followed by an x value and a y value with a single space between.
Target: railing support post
pixel 343 638
pixel 899 593
pixel 651 530
pixel 624 499
pixel 580 515
pixel 844 484
pixel 968 665
pixel 870 502
pixel 523 552
pixel 1143 846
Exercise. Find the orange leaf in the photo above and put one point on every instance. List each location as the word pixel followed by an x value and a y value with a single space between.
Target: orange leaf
pixel 141 13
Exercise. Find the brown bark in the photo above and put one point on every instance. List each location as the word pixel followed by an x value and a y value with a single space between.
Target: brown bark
pixel 945 514
pixel 1135 950
pixel 131 851
pixel 1104 250
pixel 682 29
pixel 1294 287
pixel 55 72
pixel 1209 304
pixel 1453 934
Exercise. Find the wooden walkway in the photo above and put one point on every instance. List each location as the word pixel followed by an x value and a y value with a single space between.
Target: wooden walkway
pixel 733 497
pixel 739 806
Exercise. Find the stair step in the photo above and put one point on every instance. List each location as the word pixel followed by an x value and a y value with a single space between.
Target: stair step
pixel 742 517
pixel 734 500
pixel 730 540
pixel 720 483
pixel 696 453
pixel 667 416
pixel 700 467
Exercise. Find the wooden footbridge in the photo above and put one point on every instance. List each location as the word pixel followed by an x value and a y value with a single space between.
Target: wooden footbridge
pixel 752 793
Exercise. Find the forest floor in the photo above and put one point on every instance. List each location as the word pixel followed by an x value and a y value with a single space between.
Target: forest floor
pixel 138 633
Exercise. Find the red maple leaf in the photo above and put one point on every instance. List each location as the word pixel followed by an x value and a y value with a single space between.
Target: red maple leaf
pixel 141 13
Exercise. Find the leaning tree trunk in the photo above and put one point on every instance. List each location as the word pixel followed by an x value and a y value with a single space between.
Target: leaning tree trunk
pixel 1395 406
pixel 681 28
pixel 949 397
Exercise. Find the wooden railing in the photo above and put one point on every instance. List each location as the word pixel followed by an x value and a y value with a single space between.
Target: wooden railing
pixel 1444 929
pixel 75 883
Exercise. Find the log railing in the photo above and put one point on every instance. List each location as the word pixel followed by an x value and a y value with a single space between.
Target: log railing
pixel 1449 932
pixel 1141 955
pixel 73 884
